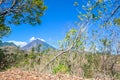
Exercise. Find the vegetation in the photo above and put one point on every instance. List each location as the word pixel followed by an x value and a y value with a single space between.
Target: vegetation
pixel 73 63
pixel 93 55
pixel 19 12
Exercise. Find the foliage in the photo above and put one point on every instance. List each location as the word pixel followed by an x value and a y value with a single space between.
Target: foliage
pixel 93 15
pixel 70 63
pixel 1 55
pixel 18 12
pixel 93 64
pixel 69 39
pixel 4 30
pixel 61 68
pixel 77 59
pixel 117 21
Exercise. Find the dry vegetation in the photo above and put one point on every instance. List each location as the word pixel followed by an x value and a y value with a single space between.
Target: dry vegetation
pixel 17 74
pixel 84 66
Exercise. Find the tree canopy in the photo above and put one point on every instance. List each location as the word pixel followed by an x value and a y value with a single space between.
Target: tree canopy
pixel 18 12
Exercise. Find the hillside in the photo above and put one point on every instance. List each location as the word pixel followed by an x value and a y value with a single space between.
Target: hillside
pixel 80 65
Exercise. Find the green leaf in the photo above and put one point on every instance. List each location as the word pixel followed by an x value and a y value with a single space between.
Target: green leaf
pixel 76 3
pixel 117 21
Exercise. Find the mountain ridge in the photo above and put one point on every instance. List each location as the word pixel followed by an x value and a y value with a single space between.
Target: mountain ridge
pixel 2 44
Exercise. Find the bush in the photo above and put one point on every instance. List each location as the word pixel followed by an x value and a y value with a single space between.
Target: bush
pixel 61 68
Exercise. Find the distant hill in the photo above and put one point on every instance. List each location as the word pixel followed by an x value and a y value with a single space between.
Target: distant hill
pixel 2 44
pixel 36 43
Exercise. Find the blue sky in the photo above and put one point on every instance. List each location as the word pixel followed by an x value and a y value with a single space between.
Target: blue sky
pixel 57 20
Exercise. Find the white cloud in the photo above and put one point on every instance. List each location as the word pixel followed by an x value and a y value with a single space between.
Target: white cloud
pixel 21 43
pixel 33 38
pixel 18 43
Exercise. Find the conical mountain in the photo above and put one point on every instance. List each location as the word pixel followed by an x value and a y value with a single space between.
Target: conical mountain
pixel 35 43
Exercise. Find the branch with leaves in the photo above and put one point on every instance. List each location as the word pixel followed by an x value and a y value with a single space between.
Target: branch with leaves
pixel 85 20
pixel 21 11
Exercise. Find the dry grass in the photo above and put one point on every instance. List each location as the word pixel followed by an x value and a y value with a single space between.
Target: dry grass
pixel 18 74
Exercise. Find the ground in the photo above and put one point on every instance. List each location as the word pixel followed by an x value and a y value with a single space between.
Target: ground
pixel 18 74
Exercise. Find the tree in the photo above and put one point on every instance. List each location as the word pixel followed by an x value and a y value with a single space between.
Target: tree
pixel 100 14
pixel 3 30
pixel 18 12
pixel 38 48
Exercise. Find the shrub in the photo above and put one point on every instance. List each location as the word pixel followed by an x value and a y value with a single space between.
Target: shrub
pixel 61 68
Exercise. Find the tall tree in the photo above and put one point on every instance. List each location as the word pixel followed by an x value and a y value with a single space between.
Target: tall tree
pixel 18 12
pixel 92 13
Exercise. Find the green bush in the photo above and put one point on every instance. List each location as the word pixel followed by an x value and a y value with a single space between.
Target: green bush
pixel 87 70
pixel 1 55
pixel 61 68
pixel 89 67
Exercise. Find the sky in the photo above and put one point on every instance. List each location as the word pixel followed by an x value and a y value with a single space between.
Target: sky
pixel 56 21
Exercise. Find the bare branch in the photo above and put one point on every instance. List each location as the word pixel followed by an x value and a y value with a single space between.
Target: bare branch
pixel 56 57
pixel 72 45
pixel 108 19
pixel 113 13
pixel 6 11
